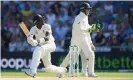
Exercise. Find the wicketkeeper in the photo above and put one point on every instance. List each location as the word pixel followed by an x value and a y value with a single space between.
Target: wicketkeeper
pixel 81 38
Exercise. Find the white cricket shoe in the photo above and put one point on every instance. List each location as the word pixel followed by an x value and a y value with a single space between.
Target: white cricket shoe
pixel 92 75
pixel 59 75
pixel 29 73
pixel 61 72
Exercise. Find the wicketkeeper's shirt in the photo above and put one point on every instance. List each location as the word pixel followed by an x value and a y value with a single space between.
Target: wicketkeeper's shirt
pixel 80 28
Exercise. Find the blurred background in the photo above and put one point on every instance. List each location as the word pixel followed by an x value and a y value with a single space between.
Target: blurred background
pixel 114 44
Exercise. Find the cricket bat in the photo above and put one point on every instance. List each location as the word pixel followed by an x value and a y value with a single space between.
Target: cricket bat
pixel 24 28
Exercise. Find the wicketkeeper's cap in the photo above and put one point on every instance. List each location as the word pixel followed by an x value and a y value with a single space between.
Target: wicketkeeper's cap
pixel 85 6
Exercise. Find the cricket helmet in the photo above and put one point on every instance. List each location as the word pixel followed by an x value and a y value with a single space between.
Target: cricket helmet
pixel 85 6
pixel 37 18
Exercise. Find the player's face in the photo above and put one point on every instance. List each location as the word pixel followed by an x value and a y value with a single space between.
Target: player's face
pixel 87 11
pixel 40 23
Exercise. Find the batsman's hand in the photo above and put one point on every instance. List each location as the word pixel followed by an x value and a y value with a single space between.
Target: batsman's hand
pixel 46 39
pixel 41 41
pixel 31 41
pixel 93 47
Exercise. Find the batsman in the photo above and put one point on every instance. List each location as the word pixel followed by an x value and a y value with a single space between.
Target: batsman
pixel 81 38
pixel 41 37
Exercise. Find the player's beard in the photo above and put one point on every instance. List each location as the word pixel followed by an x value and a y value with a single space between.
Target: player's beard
pixel 39 26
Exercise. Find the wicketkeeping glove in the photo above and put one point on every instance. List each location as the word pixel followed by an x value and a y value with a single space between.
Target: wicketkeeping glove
pixel 99 25
pixel 96 27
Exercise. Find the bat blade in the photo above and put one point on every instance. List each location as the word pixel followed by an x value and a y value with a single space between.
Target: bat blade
pixel 24 28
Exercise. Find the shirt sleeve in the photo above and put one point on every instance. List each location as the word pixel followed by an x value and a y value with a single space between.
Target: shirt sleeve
pixel 31 37
pixel 90 26
pixel 81 25
pixel 48 33
pixel 89 37
pixel 49 29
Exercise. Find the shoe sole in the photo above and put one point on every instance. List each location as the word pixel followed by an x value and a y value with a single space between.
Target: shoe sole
pixel 29 75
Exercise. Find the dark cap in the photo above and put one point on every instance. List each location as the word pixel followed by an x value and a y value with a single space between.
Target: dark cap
pixel 85 6
pixel 37 18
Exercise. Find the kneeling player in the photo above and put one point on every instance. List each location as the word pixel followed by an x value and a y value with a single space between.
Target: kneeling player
pixel 41 36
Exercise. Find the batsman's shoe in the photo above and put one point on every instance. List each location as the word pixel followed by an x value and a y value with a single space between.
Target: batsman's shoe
pixel 92 75
pixel 59 75
pixel 29 73
pixel 61 72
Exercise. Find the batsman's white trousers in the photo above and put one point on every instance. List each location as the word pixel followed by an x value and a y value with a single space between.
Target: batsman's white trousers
pixel 43 52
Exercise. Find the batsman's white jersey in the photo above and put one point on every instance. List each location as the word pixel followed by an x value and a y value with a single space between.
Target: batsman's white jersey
pixel 40 34
pixel 81 38
pixel 43 48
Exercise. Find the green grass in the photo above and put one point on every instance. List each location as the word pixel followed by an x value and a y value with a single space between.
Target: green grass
pixel 100 74
pixel 42 74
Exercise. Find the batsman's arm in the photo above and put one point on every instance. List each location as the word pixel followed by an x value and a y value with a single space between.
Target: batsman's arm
pixel 31 38
pixel 45 40
pixel 48 33
pixel 29 34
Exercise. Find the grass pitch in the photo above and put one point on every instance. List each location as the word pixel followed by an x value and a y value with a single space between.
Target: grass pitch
pixel 51 76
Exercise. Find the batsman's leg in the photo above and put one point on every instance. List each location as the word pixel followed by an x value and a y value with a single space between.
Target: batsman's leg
pixel 47 61
pixel 35 62
pixel 35 59
pixel 51 68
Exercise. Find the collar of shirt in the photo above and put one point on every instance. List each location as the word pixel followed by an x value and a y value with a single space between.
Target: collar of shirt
pixel 83 15
pixel 39 29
